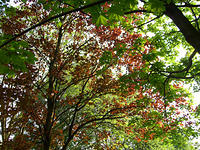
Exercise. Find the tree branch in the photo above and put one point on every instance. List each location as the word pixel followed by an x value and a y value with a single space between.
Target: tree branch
pixel 149 21
pixel 51 99
pixel 196 19
pixel 164 93
pixel 50 19
pixel 82 125
pixel 196 22
pixel 188 5
pixel 74 8
pixel 136 11
pixel 188 66
pixel 191 77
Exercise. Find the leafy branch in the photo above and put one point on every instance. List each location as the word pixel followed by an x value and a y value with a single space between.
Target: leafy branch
pixel 50 19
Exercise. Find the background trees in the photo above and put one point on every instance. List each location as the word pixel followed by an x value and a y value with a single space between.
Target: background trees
pixel 90 86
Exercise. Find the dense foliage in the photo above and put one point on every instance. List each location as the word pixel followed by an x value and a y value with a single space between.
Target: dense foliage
pixel 85 74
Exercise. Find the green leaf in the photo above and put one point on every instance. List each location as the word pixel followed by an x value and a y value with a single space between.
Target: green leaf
pixel 101 21
pixel 106 58
pixel 59 24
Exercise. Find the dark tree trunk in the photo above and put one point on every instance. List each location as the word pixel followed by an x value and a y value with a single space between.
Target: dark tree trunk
pixel 191 34
pixel 48 122
pixel 47 126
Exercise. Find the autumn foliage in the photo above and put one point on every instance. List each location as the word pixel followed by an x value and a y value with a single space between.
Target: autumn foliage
pixel 86 83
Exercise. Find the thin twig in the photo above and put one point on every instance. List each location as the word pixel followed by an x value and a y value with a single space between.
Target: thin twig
pixel 149 21
pixel 137 11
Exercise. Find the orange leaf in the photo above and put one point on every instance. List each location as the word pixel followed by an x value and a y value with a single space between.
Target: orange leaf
pixel 161 124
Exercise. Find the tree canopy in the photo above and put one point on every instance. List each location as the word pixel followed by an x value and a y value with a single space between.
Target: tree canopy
pixel 107 74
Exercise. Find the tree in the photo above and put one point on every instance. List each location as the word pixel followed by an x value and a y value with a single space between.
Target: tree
pixel 75 94
pixel 72 87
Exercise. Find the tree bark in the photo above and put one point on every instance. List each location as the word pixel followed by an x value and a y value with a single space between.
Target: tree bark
pixel 48 124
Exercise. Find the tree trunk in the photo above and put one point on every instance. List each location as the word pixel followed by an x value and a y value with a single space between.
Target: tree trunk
pixel 50 106
pixel 47 126
pixel 191 34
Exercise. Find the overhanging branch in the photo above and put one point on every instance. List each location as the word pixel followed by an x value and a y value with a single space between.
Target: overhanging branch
pixel 50 19
pixel 137 11
pixel 188 5
pixel 149 21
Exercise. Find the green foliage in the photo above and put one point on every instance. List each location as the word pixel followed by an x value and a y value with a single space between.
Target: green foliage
pixel 15 57
pixel 101 21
